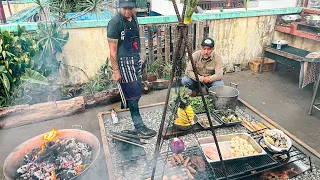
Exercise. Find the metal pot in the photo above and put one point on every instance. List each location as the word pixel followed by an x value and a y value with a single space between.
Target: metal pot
pixel 224 97
pixel 16 157
pixel 290 18
pixel 279 43
pixel 313 20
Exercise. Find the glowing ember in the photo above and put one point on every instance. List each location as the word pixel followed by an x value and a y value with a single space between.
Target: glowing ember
pixel 59 159
pixel 50 135
pixel 42 149
pixel 80 168
pixel 53 175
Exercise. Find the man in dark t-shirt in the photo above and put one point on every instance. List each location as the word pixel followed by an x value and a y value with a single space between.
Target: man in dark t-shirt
pixel 124 42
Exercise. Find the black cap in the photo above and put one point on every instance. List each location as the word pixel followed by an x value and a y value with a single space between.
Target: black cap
pixel 127 3
pixel 208 42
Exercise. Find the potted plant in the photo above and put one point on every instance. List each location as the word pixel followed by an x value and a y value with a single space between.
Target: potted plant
pixel 167 70
pixel 152 71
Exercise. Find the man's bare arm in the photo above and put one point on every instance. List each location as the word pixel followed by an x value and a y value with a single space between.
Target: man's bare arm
pixel 113 46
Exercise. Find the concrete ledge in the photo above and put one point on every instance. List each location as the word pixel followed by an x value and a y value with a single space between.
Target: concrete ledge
pixel 30 26
pixel 18 2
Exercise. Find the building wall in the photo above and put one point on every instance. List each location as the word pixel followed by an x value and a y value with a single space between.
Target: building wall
pixel 16 7
pixel 299 42
pixel 86 51
pixel 239 40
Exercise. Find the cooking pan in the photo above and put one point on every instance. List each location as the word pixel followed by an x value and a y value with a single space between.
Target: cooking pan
pixel 290 18
pixel 313 20
pixel 16 157
pixel 279 43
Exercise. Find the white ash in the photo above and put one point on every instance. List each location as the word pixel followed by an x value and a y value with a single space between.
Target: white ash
pixel 152 120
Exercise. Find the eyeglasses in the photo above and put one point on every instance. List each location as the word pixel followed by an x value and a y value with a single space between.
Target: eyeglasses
pixel 127 8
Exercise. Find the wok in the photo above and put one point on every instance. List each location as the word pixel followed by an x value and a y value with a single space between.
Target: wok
pixel 15 158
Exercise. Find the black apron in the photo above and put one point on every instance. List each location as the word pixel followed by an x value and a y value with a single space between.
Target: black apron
pixel 129 62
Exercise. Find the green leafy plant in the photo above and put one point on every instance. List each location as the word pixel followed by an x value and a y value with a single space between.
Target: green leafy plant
pixel 51 39
pixel 103 80
pixel 17 51
pixel 5 87
pixel 198 106
pixel 153 68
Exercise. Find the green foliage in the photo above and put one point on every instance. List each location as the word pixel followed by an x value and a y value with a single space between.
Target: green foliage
pixel 153 68
pixel 17 51
pixel 103 80
pixel 180 97
pixel 167 68
pixel 34 77
pixel 198 106
pixel 51 39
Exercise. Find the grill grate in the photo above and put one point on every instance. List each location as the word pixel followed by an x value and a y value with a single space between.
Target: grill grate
pixel 244 166
pixel 207 175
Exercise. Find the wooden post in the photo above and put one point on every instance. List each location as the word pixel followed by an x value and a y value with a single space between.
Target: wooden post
pixel 167 44
pixel 174 31
pixel 2 15
pixel 143 53
pixel 150 44
pixel 190 35
pixel 159 49
pixel 199 34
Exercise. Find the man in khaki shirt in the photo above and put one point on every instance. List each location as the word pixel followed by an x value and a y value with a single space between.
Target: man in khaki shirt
pixel 209 67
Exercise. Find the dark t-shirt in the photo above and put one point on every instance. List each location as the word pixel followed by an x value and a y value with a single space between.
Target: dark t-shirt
pixel 115 27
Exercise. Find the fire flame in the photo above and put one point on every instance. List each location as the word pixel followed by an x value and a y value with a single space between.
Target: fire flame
pixel 80 168
pixel 50 135
pixel 53 175
pixel 42 149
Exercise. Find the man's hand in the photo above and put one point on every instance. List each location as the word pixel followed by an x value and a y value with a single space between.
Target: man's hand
pixel 206 79
pixel 116 76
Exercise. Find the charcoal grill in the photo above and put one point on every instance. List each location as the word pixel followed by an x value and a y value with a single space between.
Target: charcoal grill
pixel 16 157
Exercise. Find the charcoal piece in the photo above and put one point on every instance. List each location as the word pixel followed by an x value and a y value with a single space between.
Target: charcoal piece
pixel 51 143
pixel 52 159
pixel 57 162
pixel 34 177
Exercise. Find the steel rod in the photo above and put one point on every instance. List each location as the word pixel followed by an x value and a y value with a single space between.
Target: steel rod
pixel 159 138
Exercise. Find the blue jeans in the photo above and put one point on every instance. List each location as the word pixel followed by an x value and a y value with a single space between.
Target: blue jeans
pixel 191 84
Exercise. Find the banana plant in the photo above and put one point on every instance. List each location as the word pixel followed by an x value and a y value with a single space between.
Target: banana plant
pixel 191 7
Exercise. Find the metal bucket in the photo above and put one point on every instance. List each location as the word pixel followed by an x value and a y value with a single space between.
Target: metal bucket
pixel 16 157
pixel 224 97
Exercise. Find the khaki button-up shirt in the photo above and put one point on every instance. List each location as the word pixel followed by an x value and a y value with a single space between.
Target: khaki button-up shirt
pixel 212 67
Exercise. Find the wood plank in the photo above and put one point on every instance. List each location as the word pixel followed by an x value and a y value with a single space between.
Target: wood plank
pixel 106 147
pixel 167 44
pixel 143 54
pixel 159 48
pixel 150 44
pixel 275 125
